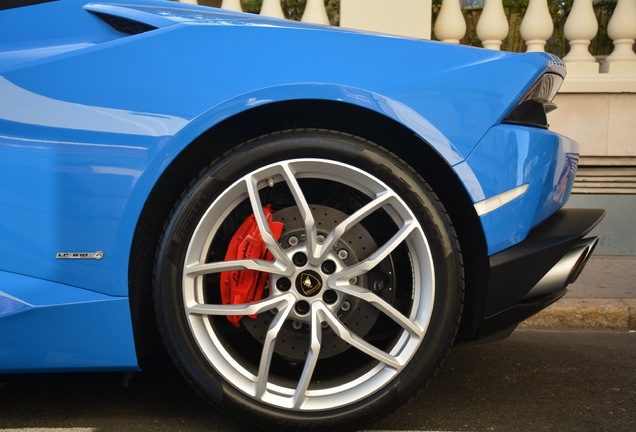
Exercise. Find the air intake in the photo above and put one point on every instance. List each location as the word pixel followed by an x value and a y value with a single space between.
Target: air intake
pixel 124 25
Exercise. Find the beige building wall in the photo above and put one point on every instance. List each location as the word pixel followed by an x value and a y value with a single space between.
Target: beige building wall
pixel 410 18
pixel 604 124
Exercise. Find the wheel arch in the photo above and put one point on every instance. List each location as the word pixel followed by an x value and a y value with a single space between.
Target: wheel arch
pixel 296 114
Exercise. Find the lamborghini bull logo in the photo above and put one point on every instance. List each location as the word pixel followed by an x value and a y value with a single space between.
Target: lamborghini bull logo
pixel 310 284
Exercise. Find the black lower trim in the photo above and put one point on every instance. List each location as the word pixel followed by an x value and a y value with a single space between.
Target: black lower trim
pixel 500 326
pixel 514 272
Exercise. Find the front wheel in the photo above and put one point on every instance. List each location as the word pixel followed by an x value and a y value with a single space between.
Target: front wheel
pixel 308 279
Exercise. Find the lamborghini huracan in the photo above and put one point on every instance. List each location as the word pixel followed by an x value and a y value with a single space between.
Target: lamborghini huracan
pixel 306 218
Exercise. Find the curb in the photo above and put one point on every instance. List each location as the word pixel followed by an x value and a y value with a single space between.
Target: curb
pixel 586 314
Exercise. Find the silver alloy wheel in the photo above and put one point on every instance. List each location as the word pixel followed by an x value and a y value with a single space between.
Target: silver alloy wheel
pixel 257 379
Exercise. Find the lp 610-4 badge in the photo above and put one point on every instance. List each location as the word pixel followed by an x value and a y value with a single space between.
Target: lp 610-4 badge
pixel 80 255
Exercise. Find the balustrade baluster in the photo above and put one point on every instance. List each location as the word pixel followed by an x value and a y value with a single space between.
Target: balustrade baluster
pixel 622 31
pixel 580 28
pixel 492 27
pixel 315 12
pixel 234 5
pixel 272 8
pixel 537 26
pixel 450 25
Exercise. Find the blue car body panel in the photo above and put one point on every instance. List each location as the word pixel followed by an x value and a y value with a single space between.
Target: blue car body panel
pixel 91 118
pixel 541 159
pixel 49 327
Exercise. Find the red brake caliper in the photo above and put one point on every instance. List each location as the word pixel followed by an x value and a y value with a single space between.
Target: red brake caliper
pixel 246 286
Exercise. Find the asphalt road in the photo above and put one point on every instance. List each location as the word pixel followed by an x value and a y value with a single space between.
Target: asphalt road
pixel 533 381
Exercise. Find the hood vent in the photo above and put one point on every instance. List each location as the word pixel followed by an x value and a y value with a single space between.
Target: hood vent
pixel 124 25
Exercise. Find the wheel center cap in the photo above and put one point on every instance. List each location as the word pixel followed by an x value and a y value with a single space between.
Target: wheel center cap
pixel 308 283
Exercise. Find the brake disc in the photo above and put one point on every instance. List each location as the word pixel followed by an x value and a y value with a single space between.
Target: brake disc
pixel 359 316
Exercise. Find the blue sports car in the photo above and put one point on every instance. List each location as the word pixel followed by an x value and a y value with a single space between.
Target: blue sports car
pixel 305 218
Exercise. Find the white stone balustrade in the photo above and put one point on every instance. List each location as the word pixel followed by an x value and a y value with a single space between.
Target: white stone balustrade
pixel 272 8
pixel 234 5
pixel 537 26
pixel 492 27
pixel 622 30
pixel 315 12
pixel 450 25
pixel 580 28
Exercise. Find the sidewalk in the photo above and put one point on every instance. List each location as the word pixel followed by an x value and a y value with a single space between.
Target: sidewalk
pixel 603 297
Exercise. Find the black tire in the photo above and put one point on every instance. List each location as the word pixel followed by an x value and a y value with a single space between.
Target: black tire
pixel 385 313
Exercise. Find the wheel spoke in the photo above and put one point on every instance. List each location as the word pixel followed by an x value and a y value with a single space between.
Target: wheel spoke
pixel 359 343
pixel 368 296
pixel 194 270
pixel 266 233
pixel 268 350
pixel 281 303
pixel 350 222
pixel 376 257
pixel 312 356
pixel 305 211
